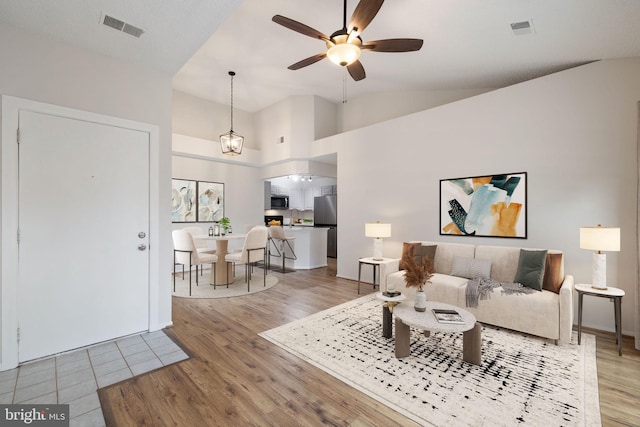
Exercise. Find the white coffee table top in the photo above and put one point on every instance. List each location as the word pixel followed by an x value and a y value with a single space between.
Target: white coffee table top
pixel 427 321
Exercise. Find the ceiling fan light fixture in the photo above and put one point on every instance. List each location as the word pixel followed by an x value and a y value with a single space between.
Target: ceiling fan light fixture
pixel 344 54
pixel 230 142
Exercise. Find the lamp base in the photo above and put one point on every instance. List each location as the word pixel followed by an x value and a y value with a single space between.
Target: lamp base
pixel 599 275
pixel 377 249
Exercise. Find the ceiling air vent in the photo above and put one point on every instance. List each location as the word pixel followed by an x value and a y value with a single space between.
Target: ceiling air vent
pixel 522 27
pixel 119 25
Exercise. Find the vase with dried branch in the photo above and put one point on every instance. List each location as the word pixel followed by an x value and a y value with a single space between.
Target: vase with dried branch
pixel 417 275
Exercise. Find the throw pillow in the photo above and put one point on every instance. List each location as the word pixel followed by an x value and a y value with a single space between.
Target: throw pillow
pixel 530 271
pixel 417 252
pixel 428 251
pixel 408 250
pixel 552 280
pixel 471 268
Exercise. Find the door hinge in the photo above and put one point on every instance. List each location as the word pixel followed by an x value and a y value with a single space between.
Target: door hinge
pixel 18 236
pixel 18 334
pixel 18 135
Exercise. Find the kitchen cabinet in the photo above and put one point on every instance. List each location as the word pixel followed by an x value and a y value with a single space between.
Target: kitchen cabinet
pixel 267 195
pixel 302 198
pixel 296 199
pixel 309 194
pixel 329 190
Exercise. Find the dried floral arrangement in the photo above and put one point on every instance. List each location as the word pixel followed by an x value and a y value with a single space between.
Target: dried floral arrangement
pixel 417 275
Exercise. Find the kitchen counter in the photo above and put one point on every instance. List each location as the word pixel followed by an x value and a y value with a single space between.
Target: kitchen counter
pixel 310 246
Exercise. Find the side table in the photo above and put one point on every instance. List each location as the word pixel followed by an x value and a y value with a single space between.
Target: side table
pixel 613 294
pixel 387 310
pixel 376 268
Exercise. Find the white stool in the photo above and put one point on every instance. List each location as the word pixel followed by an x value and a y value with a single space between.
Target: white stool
pixel 277 233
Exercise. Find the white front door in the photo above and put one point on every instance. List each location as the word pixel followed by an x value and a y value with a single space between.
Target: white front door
pixel 83 212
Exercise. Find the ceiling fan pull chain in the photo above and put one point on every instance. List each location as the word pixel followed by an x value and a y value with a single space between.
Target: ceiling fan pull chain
pixel 344 85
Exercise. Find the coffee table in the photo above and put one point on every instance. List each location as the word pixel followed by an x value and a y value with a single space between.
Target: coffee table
pixel 406 317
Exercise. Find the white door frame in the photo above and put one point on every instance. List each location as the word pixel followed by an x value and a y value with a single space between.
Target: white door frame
pixel 11 106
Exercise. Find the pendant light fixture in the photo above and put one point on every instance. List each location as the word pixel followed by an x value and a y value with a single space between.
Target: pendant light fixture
pixel 231 142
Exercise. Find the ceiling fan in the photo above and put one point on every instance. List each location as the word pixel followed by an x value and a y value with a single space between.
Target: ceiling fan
pixel 345 45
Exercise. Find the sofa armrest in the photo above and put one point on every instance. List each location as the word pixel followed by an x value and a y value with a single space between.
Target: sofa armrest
pixel 386 268
pixel 566 309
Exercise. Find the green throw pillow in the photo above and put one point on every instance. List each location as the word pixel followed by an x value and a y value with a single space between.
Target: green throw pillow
pixel 531 269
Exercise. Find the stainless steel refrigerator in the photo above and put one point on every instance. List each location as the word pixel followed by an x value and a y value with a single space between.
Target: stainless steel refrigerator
pixel 325 214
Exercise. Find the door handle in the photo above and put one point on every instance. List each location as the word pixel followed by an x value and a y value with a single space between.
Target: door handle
pixel 142 247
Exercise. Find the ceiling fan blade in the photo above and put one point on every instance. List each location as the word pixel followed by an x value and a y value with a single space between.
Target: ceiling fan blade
pixel 307 61
pixel 356 70
pixel 299 27
pixel 365 11
pixel 393 45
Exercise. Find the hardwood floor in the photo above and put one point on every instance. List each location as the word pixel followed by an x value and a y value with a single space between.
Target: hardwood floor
pixel 236 378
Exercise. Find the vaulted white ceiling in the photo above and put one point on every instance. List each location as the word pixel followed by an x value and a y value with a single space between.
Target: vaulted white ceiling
pixel 468 44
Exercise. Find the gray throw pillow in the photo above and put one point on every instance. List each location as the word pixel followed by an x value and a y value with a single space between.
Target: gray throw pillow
pixel 530 271
pixel 471 268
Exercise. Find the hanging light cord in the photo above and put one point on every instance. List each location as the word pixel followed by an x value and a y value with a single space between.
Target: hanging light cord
pixel 232 73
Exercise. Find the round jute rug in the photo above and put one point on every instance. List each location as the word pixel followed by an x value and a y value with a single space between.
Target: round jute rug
pixel 237 288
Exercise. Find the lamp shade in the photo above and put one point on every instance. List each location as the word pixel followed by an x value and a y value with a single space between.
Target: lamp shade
pixel 377 229
pixel 603 239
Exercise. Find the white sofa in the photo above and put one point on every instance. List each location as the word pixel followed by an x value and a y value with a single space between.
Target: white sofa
pixel 543 313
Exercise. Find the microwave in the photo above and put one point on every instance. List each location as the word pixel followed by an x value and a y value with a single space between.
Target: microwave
pixel 279 202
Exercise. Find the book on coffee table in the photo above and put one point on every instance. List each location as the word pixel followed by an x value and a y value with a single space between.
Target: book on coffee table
pixel 447 316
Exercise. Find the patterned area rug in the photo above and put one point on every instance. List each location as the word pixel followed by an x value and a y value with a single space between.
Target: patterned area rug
pixel 237 288
pixel 523 380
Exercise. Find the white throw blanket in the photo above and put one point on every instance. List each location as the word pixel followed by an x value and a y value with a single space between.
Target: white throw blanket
pixel 481 288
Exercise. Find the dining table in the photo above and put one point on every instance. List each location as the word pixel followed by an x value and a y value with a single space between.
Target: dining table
pixel 223 270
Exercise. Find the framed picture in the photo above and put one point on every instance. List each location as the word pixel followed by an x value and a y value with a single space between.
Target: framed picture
pixel 210 201
pixel 183 200
pixel 484 206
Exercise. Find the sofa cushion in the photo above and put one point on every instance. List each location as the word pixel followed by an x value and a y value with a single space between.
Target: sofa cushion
pixel 471 268
pixel 504 261
pixel 443 259
pixel 552 280
pixel 530 271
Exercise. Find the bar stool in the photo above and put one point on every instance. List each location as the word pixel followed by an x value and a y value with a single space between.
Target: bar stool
pixel 277 233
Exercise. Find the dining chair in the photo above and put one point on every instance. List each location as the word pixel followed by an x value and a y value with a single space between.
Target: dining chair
pixel 201 245
pixel 186 253
pixel 253 251
pixel 276 234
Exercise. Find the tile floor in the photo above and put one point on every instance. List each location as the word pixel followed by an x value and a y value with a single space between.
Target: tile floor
pixel 75 377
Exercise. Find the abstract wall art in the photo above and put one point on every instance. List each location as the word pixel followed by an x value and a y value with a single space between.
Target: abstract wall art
pixel 183 200
pixel 484 206
pixel 210 201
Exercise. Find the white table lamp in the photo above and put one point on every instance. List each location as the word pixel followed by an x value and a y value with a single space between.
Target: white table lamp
pixel 600 239
pixel 377 230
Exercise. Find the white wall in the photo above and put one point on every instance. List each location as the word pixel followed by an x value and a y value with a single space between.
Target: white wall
pixel 243 189
pixel 375 108
pixel 199 118
pixel 575 134
pixel 36 68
